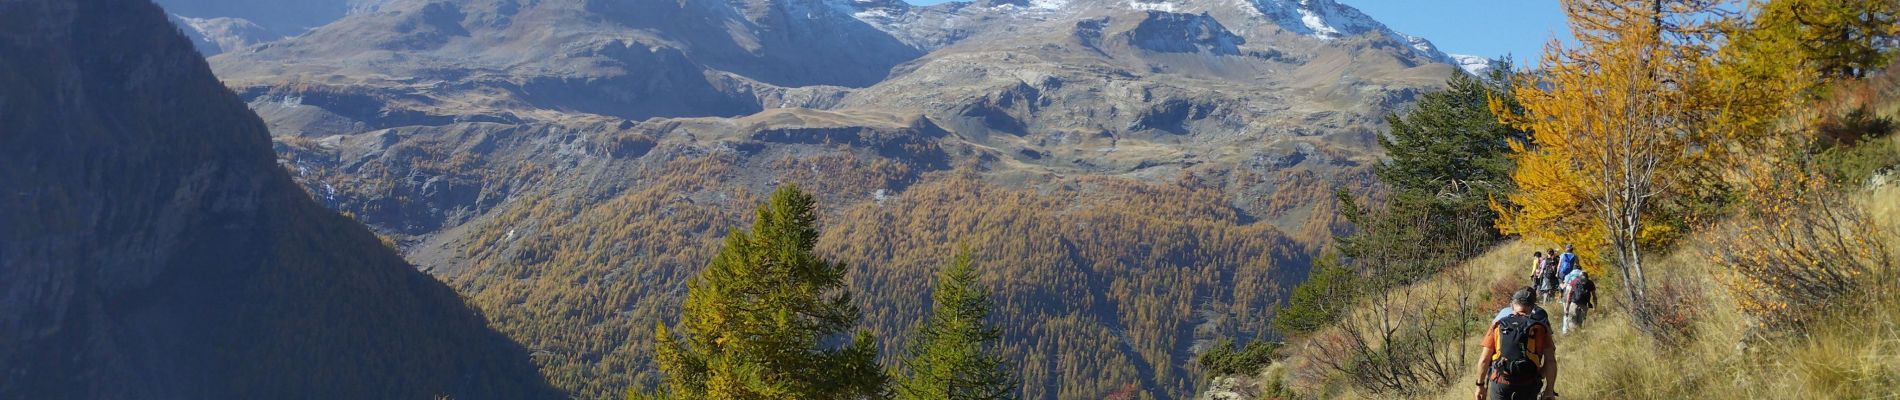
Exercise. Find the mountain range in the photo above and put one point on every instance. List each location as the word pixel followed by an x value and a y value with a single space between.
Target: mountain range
pixel 1137 178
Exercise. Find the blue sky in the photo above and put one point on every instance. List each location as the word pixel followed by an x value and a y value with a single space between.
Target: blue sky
pixel 1477 27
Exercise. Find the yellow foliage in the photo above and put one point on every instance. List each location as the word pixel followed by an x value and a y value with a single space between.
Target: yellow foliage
pixel 1798 243
pixel 1615 135
pixel 1798 247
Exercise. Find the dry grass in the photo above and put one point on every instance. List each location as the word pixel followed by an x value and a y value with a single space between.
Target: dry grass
pixel 1481 278
pixel 1850 355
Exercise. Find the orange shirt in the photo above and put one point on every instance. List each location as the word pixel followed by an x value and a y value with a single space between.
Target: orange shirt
pixel 1541 342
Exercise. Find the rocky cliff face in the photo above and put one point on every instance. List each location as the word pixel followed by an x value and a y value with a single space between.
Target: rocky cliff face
pixel 150 246
pixel 566 163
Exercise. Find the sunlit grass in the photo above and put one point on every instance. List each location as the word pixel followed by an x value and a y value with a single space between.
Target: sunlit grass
pixel 1853 353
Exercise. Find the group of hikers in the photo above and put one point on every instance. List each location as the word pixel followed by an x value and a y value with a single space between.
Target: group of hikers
pixel 1519 361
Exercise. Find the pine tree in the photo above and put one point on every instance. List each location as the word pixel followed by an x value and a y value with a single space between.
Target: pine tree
pixel 1447 158
pixel 954 356
pixel 1452 141
pixel 1329 289
pixel 756 320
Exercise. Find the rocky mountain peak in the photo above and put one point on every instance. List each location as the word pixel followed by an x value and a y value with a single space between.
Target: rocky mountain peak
pixel 1181 33
pixel 1319 18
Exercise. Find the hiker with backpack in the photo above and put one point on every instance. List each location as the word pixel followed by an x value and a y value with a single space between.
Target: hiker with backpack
pixel 1519 361
pixel 1537 313
pixel 1537 267
pixel 1579 297
pixel 1568 261
pixel 1547 277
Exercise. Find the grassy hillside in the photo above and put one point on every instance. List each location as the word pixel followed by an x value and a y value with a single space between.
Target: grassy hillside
pixel 1742 224
pixel 1720 353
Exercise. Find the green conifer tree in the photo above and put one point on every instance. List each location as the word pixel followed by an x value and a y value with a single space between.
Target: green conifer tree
pixel 1327 291
pixel 1448 158
pixel 953 356
pixel 756 321
pixel 1450 155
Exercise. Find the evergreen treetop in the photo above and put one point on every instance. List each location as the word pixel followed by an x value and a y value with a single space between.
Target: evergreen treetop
pixel 954 356
pixel 757 320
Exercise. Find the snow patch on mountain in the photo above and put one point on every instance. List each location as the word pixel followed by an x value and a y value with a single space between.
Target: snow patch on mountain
pixel 220 34
pixel 1476 65
pixel 1316 23
pixel 1324 19
pixel 1161 6
pixel 878 13
pixel 1047 4
pixel 1024 5
pixel 1328 19
pixel 216 26
pixel 1418 43
pixel 874 16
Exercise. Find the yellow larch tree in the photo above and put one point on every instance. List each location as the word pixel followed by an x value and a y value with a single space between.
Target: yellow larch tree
pixel 1618 144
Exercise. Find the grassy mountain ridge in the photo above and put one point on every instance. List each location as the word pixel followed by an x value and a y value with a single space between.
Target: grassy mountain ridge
pixel 1713 337
pixel 1848 355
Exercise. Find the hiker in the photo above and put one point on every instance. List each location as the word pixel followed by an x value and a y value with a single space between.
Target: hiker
pixel 1568 261
pixel 1537 267
pixel 1537 313
pixel 1579 297
pixel 1557 268
pixel 1519 361
pixel 1550 259
pixel 1547 281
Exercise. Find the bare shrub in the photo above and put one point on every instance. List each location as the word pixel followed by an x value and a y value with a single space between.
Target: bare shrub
pixel 1797 245
pixel 1672 310
pixel 1408 341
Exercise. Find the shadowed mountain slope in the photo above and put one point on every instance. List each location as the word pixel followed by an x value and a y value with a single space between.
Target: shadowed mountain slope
pixel 150 246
